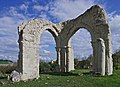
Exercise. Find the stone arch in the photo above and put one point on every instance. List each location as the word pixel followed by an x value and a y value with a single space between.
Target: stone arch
pixel 94 20
pixel 29 40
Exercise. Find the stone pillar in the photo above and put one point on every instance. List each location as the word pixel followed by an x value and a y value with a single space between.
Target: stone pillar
pixel 58 55
pixel 98 56
pixel 109 61
pixel 94 60
pixel 70 58
pixel 101 56
pixel 63 59
pixel 58 59
pixel 28 61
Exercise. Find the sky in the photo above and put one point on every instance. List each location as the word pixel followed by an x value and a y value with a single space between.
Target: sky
pixel 14 12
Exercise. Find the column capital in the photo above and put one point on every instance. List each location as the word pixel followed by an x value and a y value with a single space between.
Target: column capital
pixel 63 47
pixel 58 49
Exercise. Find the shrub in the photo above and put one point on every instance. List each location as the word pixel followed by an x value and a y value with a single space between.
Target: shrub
pixel 117 66
pixel 44 67
pixel 48 67
pixel 54 67
pixel 7 68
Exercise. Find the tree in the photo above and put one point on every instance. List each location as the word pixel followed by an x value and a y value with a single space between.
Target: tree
pixel 86 62
pixel 116 59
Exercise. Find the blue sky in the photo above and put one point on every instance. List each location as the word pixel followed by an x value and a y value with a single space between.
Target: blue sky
pixel 14 12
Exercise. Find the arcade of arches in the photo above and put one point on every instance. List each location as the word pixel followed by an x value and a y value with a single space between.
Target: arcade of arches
pixel 94 20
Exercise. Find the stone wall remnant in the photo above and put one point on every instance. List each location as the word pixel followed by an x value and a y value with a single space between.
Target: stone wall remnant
pixel 94 20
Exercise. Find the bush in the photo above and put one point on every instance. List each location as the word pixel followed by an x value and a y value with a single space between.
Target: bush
pixel 44 67
pixel 116 59
pixel 54 67
pixel 7 68
pixel 48 67
pixel 117 66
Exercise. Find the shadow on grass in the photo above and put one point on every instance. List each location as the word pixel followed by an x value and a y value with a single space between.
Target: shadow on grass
pixel 2 77
pixel 61 73
pixel 66 73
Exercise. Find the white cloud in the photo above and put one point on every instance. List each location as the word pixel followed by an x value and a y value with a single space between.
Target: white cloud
pixel 43 16
pixel 47 36
pixel 41 11
pixel 46 51
pixel 81 43
pixel 38 7
pixel 24 7
pixel 114 21
pixel 47 45
pixel 62 10
pixel 9 34
pixel 58 10
pixel 13 12
pixel 6 22
pixel 68 9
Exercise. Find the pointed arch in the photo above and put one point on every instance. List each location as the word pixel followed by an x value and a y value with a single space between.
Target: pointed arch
pixel 95 21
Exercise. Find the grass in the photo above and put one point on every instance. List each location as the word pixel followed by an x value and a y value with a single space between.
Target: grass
pixel 5 62
pixel 77 78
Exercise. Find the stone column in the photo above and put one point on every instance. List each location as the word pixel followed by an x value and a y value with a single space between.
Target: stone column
pixel 94 60
pixel 98 56
pixel 58 59
pixel 109 61
pixel 101 56
pixel 58 55
pixel 69 58
pixel 63 59
pixel 29 55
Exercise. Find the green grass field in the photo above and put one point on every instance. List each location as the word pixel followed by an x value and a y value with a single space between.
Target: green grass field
pixel 77 78
pixel 4 62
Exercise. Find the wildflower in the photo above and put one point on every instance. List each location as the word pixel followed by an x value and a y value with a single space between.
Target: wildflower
pixel 68 80
pixel 46 83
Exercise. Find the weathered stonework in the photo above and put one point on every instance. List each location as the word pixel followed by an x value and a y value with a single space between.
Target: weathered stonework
pixel 94 20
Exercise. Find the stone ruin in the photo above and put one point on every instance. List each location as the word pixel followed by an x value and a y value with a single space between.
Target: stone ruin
pixel 94 20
